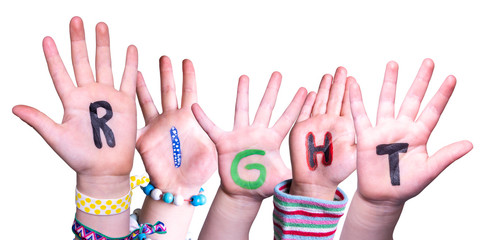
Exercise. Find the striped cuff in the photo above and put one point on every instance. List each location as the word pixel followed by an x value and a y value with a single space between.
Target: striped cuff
pixel 298 217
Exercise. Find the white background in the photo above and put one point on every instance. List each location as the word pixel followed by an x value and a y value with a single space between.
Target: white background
pixel 301 39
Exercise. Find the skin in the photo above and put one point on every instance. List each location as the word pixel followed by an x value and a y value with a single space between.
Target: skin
pixel 101 173
pixel 377 204
pixel 232 201
pixel 327 111
pixel 199 157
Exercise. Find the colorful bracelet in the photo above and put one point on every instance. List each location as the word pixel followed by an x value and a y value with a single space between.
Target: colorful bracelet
pixel 97 206
pixel 177 199
pixel 102 206
pixel 86 233
pixel 300 217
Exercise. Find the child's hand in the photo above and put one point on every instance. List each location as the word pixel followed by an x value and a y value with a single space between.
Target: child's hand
pixel 108 149
pixel 392 162
pixel 249 160
pixel 177 154
pixel 402 168
pixel 323 151
pixel 198 158
pixel 97 135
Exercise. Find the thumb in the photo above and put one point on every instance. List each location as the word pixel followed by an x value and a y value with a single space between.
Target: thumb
pixel 44 125
pixel 446 156
pixel 208 126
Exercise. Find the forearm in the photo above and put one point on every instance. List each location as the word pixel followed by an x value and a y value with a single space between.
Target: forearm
pixel 175 218
pixel 104 187
pixel 229 217
pixel 368 220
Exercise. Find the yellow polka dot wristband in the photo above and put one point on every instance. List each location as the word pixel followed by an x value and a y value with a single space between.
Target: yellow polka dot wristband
pixel 108 206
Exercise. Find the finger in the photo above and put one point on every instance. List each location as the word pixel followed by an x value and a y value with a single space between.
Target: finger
pixel 284 123
pixel 307 106
pixel 208 126
pixel 169 99
pixel 431 114
pixel 410 106
pixel 61 79
pixel 446 156
pixel 241 117
pixel 320 105
pixel 103 63
pixel 361 120
pixel 386 104
pixel 189 90
pixel 129 78
pixel 346 103
pixel 337 92
pixel 145 101
pixel 46 127
pixel 80 60
pixel 267 104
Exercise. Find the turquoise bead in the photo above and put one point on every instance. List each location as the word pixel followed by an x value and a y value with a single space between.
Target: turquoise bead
pixel 168 197
pixel 195 201
pixel 142 236
pixel 198 200
pixel 147 190
pixel 202 198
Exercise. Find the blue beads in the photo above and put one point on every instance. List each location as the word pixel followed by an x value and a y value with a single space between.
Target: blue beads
pixel 142 236
pixel 147 190
pixel 198 200
pixel 195 200
pixel 168 197
pixel 203 199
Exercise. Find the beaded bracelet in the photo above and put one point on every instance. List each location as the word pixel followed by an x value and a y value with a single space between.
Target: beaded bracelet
pixel 86 233
pixel 177 199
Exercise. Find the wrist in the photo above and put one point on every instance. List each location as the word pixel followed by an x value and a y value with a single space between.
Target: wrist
pixel 158 210
pixel 240 200
pixel 225 211
pixel 371 218
pixel 383 206
pixel 312 190
pixel 185 191
pixel 175 197
pixel 237 205
pixel 175 206
pixel 103 186
pixel 320 217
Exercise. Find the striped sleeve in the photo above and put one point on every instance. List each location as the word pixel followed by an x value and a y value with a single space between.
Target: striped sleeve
pixel 298 217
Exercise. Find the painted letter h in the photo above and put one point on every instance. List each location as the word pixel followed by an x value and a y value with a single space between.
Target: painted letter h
pixel 311 150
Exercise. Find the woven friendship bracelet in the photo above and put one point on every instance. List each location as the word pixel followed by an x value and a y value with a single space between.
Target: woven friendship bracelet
pixel 96 206
pixel 86 233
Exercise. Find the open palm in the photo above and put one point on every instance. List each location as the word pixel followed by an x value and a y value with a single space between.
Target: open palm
pixel 249 159
pixel 73 140
pixel 379 178
pixel 198 159
pixel 327 115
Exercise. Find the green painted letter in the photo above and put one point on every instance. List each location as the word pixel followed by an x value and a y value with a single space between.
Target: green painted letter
pixel 235 174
